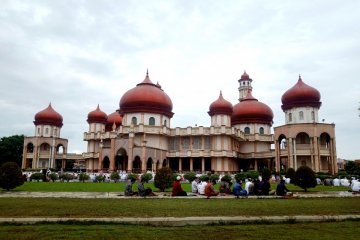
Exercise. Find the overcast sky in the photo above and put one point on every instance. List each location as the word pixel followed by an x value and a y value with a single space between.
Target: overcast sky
pixel 77 54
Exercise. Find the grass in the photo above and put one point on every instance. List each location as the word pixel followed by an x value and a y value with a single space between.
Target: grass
pixel 174 207
pixel 119 187
pixel 325 230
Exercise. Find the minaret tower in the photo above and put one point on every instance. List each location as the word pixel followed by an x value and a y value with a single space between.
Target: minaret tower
pixel 245 85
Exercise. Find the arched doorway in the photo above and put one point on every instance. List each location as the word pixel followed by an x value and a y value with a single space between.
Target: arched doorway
pixel 149 164
pixel 106 163
pixel 137 165
pixel 121 160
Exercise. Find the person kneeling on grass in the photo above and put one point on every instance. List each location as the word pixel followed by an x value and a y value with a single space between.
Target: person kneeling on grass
pixel 209 189
pixel 237 190
pixel 143 192
pixel 281 189
pixel 177 189
pixel 128 188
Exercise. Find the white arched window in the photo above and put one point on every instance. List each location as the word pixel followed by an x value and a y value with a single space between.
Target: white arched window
pixel 301 115
pixel 247 130
pixel 261 130
pixel 151 121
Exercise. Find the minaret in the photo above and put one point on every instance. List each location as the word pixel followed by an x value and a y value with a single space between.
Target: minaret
pixel 245 85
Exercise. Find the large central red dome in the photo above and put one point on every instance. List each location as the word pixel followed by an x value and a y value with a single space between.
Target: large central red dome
pixel 146 97
pixel 300 95
pixel 48 116
pixel 250 110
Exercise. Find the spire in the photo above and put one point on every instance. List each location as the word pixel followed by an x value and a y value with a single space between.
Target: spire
pixel 147 72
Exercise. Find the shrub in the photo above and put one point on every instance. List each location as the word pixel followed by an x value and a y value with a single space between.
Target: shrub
pixel 266 174
pixel 115 176
pixel 146 177
pixel 99 178
pixel 305 178
pixel 190 176
pixel 290 173
pixel 10 176
pixel 252 174
pixel 83 177
pixel 53 176
pixel 67 177
pixel 133 177
pixel 203 177
pixel 37 176
pixel 163 178
pixel 240 176
pixel 214 177
pixel 227 178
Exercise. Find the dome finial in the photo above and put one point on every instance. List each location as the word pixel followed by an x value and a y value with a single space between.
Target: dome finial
pixel 220 93
pixel 300 77
pixel 147 72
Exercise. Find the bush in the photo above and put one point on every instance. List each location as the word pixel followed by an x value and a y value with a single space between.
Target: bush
pixel 240 176
pixel 133 177
pixel 190 176
pixel 10 176
pixel 290 173
pixel 203 177
pixel 266 174
pixel 53 176
pixel 163 178
pixel 115 176
pixel 252 174
pixel 83 177
pixel 227 178
pixel 67 177
pixel 99 178
pixel 214 177
pixel 146 177
pixel 305 178
pixel 37 176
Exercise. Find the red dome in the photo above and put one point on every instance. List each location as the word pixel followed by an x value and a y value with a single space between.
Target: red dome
pixel 300 95
pixel 97 116
pixel 245 76
pixel 146 97
pixel 114 117
pixel 48 116
pixel 250 110
pixel 221 106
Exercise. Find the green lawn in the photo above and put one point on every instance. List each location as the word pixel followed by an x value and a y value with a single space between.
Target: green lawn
pixel 320 231
pixel 174 207
pixel 119 187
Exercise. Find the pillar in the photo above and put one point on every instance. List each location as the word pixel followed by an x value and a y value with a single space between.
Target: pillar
pixel 202 164
pixel 112 154
pixel 180 164
pixel 191 164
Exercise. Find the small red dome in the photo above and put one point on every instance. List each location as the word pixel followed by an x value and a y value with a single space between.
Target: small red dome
pixel 114 117
pixel 146 97
pixel 97 116
pixel 220 106
pixel 250 110
pixel 300 95
pixel 48 116
pixel 245 76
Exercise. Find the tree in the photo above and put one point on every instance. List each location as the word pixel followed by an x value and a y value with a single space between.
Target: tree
pixel 10 176
pixel 115 176
pixel 352 168
pixel 163 178
pixel 290 173
pixel 266 174
pixel 190 176
pixel 11 149
pixel 146 177
pixel 83 177
pixel 305 178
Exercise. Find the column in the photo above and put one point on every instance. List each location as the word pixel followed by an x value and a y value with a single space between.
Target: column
pixel 316 155
pixel 180 164
pixel 112 154
pixel 130 152
pixel 290 154
pixel 202 164
pixel 294 152
pixel 191 164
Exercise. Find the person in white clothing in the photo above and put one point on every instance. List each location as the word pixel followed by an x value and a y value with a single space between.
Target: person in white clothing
pixel 195 185
pixel 201 187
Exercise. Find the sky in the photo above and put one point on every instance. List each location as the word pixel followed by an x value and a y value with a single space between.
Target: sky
pixel 78 54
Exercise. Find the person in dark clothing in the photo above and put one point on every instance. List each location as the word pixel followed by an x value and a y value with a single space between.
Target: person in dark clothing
pixel 143 192
pixel 281 189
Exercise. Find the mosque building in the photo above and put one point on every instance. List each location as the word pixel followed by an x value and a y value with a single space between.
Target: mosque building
pixel 138 136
